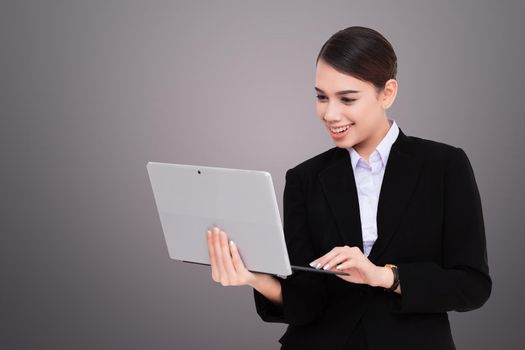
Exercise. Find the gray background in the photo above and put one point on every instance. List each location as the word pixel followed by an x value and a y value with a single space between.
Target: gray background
pixel 92 90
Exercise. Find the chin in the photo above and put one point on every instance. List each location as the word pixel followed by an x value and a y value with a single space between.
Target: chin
pixel 344 143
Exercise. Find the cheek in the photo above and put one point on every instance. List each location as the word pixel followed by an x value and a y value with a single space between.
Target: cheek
pixel 361 110
pixel 321 108
pixel 364 113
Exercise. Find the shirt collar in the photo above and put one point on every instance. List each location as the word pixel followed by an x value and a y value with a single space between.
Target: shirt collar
pixel 383 148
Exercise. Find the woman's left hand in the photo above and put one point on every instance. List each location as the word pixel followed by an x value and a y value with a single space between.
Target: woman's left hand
pixel 353 261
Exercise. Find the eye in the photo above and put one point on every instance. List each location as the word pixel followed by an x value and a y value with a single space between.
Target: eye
pixel 321 97
pixel 347 100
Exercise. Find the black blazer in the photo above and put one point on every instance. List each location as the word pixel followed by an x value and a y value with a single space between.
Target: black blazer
pixel 430 224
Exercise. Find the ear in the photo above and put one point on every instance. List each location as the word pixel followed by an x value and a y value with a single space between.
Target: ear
pixel 389 93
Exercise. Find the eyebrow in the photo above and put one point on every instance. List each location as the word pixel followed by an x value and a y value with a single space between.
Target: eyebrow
pixel 339 92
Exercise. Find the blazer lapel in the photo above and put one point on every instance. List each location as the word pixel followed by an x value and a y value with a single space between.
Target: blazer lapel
pixel 399 181
pixel 338 184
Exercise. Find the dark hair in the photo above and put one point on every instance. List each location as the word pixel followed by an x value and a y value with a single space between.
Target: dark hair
pixel 362 53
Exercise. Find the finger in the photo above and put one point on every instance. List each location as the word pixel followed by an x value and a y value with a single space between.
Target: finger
pixel 348 264
pixel 345 253
pixel 334 257
pixel 213 258
pixel 320 262
pixel 226 257
pixel 238 264
pixel 336 260
pixel 218 252
pixel 355 251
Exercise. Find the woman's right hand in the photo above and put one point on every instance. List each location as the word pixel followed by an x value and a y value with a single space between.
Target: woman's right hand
pixel 227 267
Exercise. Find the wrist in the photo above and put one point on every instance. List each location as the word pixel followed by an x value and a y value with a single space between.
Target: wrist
pixel 268 286
pixel 257 279
pixel 385 277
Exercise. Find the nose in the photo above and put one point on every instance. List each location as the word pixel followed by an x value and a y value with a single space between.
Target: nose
pixel 332 114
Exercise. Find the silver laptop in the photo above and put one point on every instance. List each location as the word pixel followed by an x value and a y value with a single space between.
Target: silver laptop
pixel 192 199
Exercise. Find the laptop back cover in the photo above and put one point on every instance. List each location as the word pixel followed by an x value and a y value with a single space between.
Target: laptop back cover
pixel 192 199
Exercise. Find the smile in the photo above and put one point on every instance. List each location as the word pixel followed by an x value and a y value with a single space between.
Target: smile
pixel 340 129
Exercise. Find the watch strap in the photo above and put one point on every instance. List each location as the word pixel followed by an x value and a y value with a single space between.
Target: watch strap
pixel 396 278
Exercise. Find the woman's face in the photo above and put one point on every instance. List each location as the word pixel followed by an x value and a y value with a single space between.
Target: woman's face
pixel 352 109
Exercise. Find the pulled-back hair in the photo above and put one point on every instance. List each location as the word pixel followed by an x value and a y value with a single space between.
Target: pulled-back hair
pixel 362 53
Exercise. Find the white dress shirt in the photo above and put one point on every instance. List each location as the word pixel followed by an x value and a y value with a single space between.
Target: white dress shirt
pixel 368 178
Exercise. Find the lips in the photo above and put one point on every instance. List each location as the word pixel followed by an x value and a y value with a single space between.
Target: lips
pixel 339 132
pixel 340 128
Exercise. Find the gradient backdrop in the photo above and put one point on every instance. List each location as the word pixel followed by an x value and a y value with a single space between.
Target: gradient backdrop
pixel 92 90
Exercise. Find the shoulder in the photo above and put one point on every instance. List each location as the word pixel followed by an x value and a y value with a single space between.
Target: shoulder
pixel 426 151
pixel 317 163
pixel 430 150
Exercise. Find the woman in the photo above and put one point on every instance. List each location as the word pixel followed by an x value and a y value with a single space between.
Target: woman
pixel 402 215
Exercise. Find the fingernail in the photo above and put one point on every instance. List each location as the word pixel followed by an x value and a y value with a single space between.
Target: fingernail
pixel 318 265
pixel 338 267
pixel 312 264
pixel 326 267
pixel 231 243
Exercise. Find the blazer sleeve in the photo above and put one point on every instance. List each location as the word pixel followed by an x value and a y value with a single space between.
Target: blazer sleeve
pixel 304 294
pixel 461 282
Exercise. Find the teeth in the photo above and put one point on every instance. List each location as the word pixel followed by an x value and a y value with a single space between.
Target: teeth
pixel 340 129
